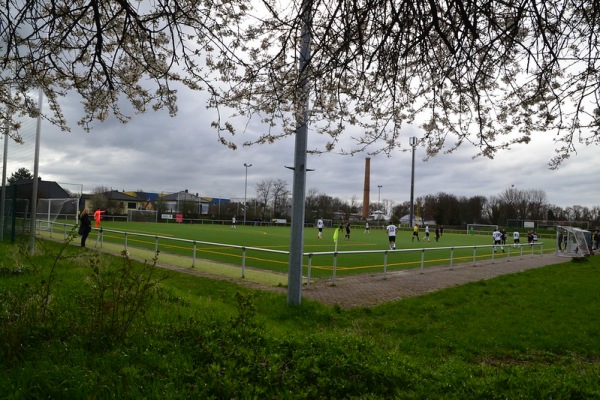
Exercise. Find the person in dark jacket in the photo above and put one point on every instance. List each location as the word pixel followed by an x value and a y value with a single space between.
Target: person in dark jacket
pixel 85 226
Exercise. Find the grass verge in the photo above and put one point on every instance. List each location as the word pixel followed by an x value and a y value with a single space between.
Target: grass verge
pixel 530 335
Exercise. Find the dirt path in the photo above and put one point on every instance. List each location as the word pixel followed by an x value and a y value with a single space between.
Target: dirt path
pixel 369 290
pixel 372 289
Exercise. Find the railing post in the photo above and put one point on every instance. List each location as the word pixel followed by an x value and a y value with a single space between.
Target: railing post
pixel 334 265
pixel 385 254
pixel 243 262
pixel 308 272
pixel 125 240
pixel 521 246
pixel 474 254
pixel 194 256
pixel 422 259
pixel 451 256
pixel 155 244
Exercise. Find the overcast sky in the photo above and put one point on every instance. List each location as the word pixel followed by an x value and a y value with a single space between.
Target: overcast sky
pixel 157 153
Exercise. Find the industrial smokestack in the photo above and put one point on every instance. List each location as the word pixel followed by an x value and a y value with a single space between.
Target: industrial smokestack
pixel 367 190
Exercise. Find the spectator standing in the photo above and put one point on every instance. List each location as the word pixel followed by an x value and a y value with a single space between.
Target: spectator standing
pixel 560 241
pixel 85 226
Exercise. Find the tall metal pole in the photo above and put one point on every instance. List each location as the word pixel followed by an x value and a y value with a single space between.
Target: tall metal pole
pixel 379 204
pixel 4 163
pixel 413 143
pixel 36 162
pixel 299 185
pixel 245 190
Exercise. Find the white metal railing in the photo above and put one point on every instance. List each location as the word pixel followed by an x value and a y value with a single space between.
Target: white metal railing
pixel 519 249
pixel 67 228
pixel 537 247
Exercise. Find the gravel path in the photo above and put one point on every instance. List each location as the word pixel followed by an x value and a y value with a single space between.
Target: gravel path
pixel 369 290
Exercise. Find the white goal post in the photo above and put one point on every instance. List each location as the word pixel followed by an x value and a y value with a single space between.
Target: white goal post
pixel 142 216
pixel 65 209
pixel 572 242
pixel 478 228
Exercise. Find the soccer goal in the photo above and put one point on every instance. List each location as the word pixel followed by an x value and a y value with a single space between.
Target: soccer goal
pixel 480 228
pixel 62 210
pixel 572 242
pixel 142 216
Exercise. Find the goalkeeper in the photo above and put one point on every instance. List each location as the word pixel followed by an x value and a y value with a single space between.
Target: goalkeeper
pixel 98 216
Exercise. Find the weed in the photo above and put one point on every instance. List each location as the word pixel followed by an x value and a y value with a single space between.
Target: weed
pixel 118 298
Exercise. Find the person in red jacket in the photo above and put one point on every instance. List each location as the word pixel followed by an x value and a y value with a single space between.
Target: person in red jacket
pixel 98 216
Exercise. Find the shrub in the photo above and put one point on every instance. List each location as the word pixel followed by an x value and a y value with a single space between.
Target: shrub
pixel 119 298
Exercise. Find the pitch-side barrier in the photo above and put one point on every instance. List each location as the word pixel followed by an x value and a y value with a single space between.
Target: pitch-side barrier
pixel 512 250
pixel 520 249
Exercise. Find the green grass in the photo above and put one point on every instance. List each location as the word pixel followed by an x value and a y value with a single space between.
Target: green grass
pixel 535 334
pixel 278 238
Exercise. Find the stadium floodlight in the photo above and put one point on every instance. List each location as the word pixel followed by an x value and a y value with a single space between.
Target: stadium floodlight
pixel 246 190
pixel 413 143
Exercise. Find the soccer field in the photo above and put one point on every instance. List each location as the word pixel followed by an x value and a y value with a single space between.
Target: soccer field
pixel 266 247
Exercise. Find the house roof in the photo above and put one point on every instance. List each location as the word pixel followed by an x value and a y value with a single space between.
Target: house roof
pixel 45 189
pixel 144 196
pixel 183 196
pixel 122 196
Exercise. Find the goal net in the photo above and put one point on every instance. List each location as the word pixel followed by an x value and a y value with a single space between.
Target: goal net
pixel 142 216
pixel 481 228
pixel 16 215
pixel 58 210
pixel 572 242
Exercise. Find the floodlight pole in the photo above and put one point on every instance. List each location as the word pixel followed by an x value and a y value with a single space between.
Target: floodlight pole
pixel 245 190
pixel 299 185
pixel 36 162
pixel 379 204
pixel 413 143
pixel 4 162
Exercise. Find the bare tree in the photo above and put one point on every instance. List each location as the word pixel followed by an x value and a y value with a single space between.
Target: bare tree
pixel 280 196
pixel 536 202
pixel 100 198
pixel 490 73
pixel 264 189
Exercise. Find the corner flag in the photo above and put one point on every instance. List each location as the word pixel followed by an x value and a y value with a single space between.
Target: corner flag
pixel 336 234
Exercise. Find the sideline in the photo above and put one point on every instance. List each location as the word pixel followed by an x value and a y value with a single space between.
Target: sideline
pixel 183 264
